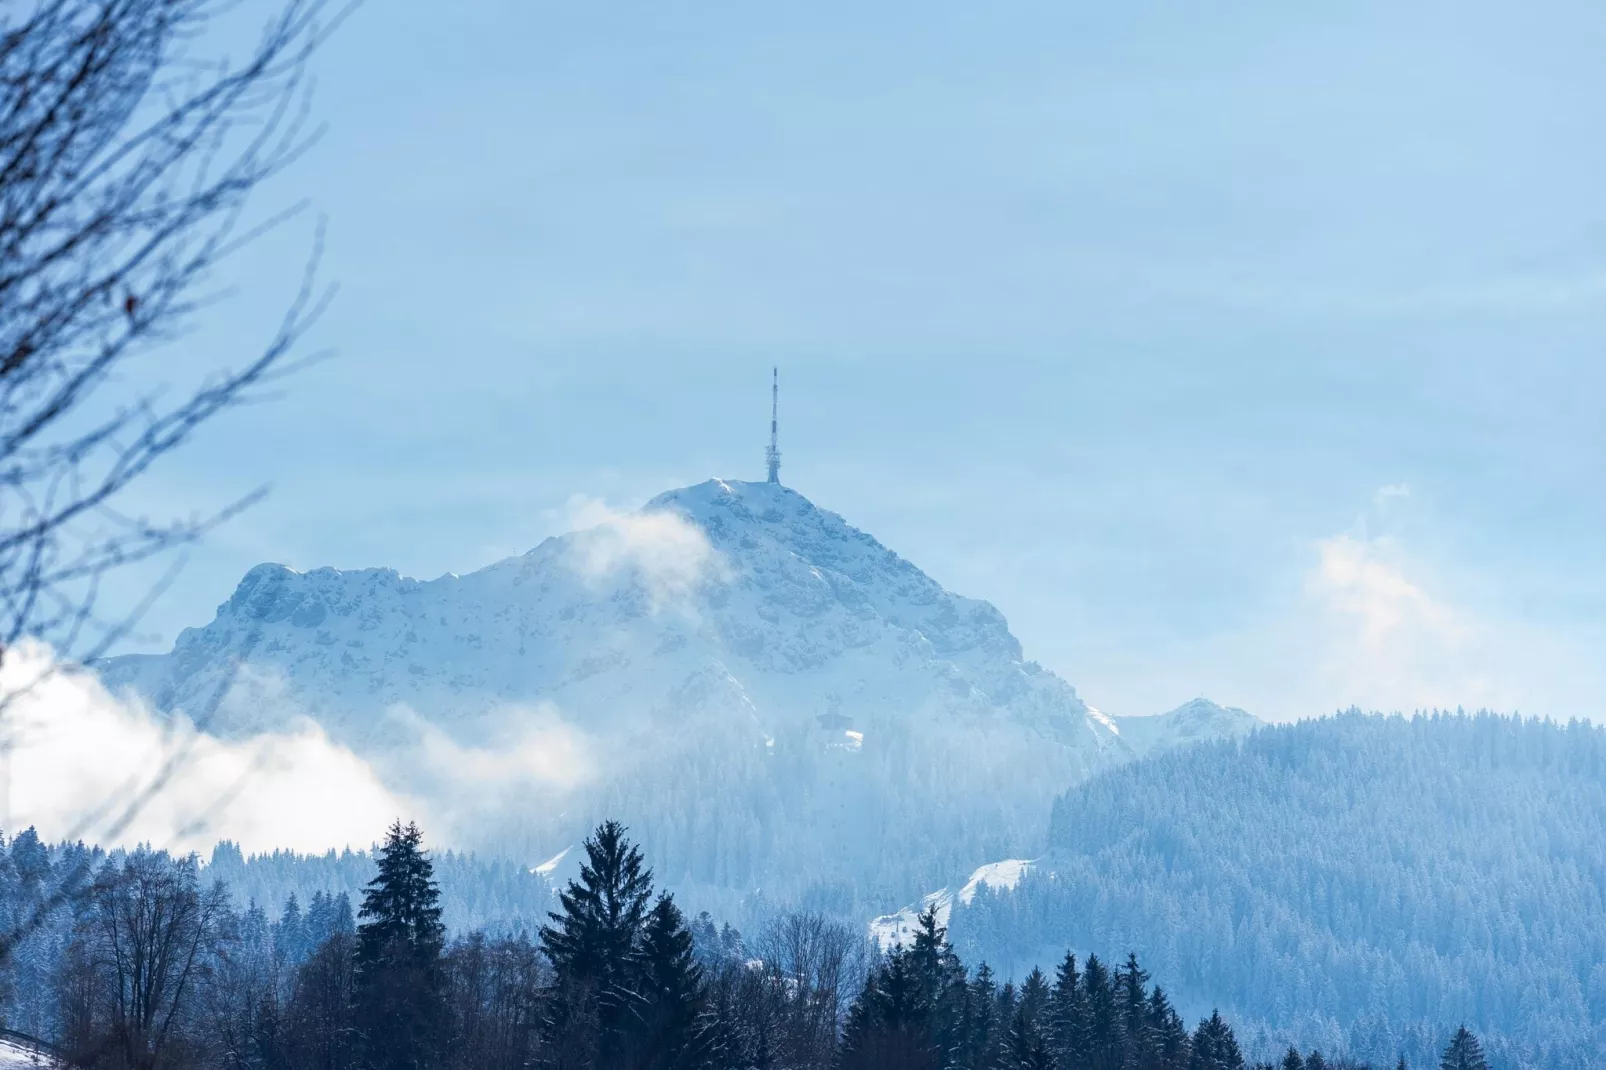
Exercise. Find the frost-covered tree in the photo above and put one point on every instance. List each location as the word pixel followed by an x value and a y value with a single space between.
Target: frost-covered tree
pixel 291 944
pixel 1289 878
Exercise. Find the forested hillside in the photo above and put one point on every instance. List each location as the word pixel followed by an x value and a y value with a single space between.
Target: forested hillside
pixel 1352 882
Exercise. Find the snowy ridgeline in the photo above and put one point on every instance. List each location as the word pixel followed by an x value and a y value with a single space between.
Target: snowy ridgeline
pixel 1357 882
pixel 768 697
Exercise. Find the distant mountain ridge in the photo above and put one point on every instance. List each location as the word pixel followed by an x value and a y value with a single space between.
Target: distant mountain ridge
pixel 1192 722
pixel 769 695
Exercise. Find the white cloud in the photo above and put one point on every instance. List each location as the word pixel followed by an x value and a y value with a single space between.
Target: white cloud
pixel 85 764
pixel 530 748
pixel 1381 640
pixel 80 759
pixel 669 554
pixel 1357 579
pixel 1377 620
pixel 1382 630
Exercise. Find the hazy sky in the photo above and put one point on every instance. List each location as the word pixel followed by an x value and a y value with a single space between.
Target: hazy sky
pixel 1246 349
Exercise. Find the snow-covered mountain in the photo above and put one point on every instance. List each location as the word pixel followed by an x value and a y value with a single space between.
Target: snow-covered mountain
pixel 769 696
pixel 1192 722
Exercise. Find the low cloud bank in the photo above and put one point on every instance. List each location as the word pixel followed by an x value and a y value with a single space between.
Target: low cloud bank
pixel 83 763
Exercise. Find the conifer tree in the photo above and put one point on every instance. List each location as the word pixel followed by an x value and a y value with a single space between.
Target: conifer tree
pixel 1067 1014
pixel 1214 1046
pixel 942 978
pixel 1464 1053
pixel 592 945
pixel 320 918
pixel 1292 1060
pixel 1104 1042
pixel 669 998
pixel 1034 994
pixel 889 1025
pixel 982 1047
pixel 397 999
pixel 1026 1047
pixel 1168 1033
pixel 1132 987
pixel 290 946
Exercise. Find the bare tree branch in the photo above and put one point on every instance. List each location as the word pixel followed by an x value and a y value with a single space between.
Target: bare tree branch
pixel 126 165
pixel 127 161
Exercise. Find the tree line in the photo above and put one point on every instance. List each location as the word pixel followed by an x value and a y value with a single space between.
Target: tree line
pixel 154 969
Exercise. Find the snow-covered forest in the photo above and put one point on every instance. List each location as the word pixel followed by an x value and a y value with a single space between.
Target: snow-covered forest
pixel 1354 881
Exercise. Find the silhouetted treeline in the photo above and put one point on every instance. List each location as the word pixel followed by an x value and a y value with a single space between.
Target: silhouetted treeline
pixel 150 967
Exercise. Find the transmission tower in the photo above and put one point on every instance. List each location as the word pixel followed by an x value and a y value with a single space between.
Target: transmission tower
pixel 772 456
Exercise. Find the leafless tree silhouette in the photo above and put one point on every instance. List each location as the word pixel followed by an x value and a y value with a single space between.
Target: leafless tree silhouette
pixel 127 160
pixel 126 163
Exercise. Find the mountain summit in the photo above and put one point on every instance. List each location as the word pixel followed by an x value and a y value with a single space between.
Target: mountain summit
pixel 768 694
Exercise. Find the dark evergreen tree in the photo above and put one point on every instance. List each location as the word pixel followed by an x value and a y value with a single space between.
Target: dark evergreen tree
pixel 1168 1033
pixel 1292 1060
pixel 1104 1040
pixel 1214 1046
pixel 1067 1015
pixel 1026 1047
pixel 667 1033
pixel 1131 981
pixel 1034 995
pixel 397 998
pixel 984 1034
pixel 1463 1053
pixel 889 1025
pixel 942 978
pixel 592 943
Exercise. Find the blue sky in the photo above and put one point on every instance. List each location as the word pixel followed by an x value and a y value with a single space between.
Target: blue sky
pixel 1250 349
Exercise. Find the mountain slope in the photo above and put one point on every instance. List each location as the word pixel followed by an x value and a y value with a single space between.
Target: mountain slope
pixel 1357 881
pixel 768 695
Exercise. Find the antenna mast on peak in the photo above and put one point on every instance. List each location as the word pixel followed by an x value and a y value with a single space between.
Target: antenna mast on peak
pixel 772 456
